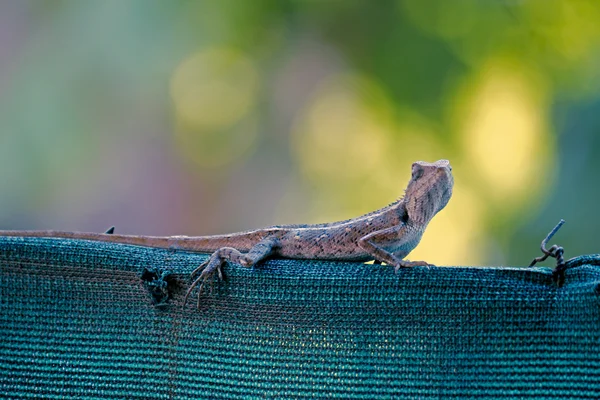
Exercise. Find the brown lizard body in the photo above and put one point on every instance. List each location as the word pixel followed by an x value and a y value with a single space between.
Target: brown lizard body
pixel 386 235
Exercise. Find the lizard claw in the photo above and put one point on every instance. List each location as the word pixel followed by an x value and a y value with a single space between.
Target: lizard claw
pixel 207 272
pixel 194 283
pixel 407 263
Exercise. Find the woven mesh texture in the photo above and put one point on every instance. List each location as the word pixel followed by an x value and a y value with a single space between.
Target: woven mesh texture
pixel 77 321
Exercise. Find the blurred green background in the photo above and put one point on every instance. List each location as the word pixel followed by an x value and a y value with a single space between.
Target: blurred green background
pixel 203 117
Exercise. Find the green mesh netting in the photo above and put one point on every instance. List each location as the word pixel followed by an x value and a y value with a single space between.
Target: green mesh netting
pixel 78 321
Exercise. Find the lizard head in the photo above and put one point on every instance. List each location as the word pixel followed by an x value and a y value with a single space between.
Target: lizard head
pixel 428 191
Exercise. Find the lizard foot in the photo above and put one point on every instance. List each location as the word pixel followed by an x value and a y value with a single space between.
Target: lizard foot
pixel 413 264
pixel 207 270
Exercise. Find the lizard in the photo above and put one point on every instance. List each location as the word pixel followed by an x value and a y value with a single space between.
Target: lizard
pixel 386 235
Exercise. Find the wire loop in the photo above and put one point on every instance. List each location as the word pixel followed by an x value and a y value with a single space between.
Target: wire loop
pixel 556 252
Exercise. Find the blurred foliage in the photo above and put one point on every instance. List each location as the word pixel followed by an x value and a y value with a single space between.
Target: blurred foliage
pixel 199 117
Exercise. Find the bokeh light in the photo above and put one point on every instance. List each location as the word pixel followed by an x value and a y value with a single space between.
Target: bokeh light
pixel 505 136
pixel 347 112
pixel 214 88
pixel 212 91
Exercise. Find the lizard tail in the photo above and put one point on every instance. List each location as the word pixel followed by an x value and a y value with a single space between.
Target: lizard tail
pixel 190 243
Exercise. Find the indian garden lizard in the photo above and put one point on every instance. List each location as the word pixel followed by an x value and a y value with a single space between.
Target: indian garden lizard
pixel 386 235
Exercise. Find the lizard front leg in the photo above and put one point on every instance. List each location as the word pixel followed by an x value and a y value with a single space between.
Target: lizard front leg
pixel 217 260
pixel 398 237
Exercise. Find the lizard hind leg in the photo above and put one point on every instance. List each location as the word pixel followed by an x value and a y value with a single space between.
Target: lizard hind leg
pixel 217 260
pixel 259 251
pixel 210 267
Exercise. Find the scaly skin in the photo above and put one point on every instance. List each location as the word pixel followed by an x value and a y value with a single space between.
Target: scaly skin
pixel 386 235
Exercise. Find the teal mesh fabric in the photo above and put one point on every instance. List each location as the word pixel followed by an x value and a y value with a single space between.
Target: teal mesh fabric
pixel 78 321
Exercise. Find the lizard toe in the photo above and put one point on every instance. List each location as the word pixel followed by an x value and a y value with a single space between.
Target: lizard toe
pixel 406 263
pixel 207 270
pixel 200 268
pixel 421 264
pixel 246 261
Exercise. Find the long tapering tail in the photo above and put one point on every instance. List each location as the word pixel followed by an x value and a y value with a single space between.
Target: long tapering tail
pixel 189 243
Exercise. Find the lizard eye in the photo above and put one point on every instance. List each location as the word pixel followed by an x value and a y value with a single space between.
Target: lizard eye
pixel 417 171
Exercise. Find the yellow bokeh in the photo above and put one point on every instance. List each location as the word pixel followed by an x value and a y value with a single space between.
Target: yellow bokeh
pixel 214 92
pixel 340 136
pixel 349 133
pixel 341 142
pixel 456 236
pixel 214 88
pixel 506 141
